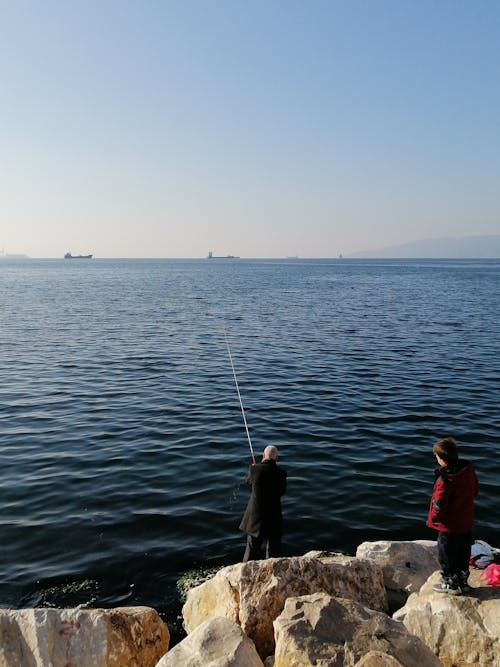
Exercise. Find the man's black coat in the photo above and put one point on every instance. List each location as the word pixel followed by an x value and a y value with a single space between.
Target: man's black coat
pixel 263 513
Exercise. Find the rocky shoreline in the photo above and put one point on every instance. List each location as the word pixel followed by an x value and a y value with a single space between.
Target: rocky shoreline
pixel 375 609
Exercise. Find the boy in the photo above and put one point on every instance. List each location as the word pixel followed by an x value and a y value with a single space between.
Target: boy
pixel 451 513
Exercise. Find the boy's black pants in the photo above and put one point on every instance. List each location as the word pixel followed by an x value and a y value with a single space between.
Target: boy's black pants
pixel 454 552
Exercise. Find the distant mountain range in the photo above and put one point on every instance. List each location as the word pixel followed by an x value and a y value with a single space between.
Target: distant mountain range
pixel 480 247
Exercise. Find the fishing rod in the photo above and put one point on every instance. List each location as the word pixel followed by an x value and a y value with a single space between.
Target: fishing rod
pixel 239 396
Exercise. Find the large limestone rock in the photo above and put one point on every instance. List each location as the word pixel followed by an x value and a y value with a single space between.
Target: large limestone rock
pixel 461 630
pixel 253 594
pixel 122 637
pixel 378 659
pixel 215 643
pixel 321 630
pixel 406 566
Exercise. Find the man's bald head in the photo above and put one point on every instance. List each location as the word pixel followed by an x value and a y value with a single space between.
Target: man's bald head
pixel 271 452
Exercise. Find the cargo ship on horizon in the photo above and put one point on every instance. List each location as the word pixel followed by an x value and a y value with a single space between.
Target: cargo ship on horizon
pixel 68 255
pixel 212 256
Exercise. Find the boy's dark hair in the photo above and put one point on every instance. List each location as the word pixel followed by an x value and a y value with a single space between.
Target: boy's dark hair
pixel 446 449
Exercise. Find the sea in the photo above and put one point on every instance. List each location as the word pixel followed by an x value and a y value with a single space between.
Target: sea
pixel 123 446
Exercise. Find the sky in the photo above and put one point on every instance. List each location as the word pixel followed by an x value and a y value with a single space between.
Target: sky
pixel 255 128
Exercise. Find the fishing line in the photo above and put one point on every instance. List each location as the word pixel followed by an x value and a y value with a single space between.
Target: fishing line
pixel 239 396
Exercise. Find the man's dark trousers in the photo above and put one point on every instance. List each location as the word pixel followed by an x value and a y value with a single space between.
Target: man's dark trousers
pixel 253 549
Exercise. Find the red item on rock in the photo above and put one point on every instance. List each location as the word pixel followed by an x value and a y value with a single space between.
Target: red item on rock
pixel 492 574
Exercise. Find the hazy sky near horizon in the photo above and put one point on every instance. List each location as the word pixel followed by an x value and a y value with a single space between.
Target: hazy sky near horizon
pixel 257 128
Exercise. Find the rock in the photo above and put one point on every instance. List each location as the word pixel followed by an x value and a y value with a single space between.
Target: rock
pixel 126 636
pixel 321 630
pixel 253 594
pixel 406 566
pixel 461 630
pixel 215 643
pixel 378 659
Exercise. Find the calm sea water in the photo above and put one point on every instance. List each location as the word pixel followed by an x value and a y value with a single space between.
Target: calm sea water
pixel 122 443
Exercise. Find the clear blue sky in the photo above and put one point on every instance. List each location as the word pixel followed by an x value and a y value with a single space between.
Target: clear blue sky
pixel 262 129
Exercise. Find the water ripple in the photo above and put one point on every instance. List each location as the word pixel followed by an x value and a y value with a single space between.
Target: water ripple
pixel 122 442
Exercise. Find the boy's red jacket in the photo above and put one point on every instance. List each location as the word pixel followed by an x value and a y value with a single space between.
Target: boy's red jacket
pixel 452 503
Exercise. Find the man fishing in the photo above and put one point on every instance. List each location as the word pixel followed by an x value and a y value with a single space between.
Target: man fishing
pixel 263 521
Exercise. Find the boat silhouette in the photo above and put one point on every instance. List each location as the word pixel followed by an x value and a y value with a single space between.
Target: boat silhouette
pixel 68 255
pixel 212 256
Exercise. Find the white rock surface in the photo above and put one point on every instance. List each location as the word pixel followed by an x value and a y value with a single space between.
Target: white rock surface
pixel 406 566
pixel 462 630
pixel 215 643
pixel 253 594
pixel 121 637
pixel 321 630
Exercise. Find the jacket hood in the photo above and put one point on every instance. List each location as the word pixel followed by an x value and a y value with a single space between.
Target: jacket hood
pixel 454 471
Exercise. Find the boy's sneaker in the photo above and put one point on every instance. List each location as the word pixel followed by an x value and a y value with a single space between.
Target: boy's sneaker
pixel 447 586
pixel 463 583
